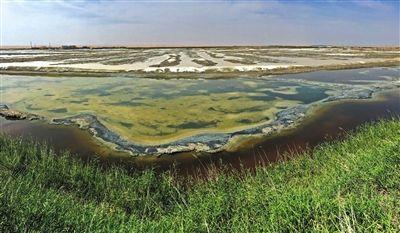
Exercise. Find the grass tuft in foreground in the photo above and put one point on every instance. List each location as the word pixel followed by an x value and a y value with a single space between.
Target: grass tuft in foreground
pixel 352 185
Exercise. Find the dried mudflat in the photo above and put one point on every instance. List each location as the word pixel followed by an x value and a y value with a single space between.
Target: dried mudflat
pixel 193 60
pixel 157 116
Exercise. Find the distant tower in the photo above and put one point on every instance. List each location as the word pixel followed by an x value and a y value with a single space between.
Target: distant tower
pixel 31 44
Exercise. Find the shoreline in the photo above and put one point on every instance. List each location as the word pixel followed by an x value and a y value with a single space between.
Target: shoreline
pixel 205 142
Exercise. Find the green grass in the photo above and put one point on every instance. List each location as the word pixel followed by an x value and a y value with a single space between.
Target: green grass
pixel 349 185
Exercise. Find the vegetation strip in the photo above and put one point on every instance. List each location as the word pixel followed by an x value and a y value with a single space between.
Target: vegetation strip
pixel 349 185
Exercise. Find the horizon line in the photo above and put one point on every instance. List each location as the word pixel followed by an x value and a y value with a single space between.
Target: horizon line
pixel 37 46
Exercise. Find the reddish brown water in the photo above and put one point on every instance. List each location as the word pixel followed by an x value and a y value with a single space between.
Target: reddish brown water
pixel 330 122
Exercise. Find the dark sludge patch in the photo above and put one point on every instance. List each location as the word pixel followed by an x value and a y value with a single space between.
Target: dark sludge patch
pixel 250 121
pixel 234 97
pixel 138 98
pixel 79 101
pixel 129 103
pixel 150 126
pixel 281 107
pixel 126 124
pixel 245 121
pixel 163 133
pixel 195 125
pixel 58 110
pixel 251 109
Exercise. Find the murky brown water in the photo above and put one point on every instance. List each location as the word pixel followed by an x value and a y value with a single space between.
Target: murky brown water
pixel 330 122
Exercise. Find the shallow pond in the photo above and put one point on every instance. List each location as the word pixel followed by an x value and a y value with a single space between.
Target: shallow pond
pixel 329 122
pixel 156 111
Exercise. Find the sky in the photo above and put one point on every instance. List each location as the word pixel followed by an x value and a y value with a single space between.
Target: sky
pixel 179 23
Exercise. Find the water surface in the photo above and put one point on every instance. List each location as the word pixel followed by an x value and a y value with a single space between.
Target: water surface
pixel 156 111
pixel 176 107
